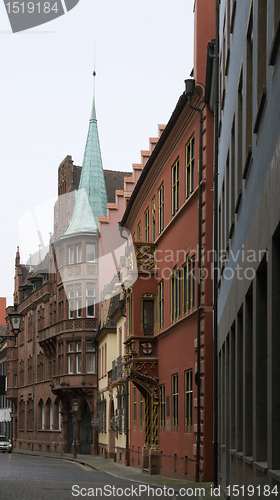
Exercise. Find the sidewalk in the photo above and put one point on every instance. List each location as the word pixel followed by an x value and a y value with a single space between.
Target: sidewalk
pixel 129 473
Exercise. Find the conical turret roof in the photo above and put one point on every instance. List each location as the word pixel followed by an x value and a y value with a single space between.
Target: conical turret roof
pixel 91 197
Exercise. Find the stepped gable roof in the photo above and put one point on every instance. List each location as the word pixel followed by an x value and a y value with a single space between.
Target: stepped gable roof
pixel 182 101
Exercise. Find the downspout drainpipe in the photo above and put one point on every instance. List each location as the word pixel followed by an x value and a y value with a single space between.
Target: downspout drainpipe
pixel 216 260
pixel 190 85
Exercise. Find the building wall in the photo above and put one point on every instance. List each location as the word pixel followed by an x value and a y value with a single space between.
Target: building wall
pixel 5 404
pixel 106 352
pixel 2 310
pixel 175 339
pixel 39 370
pixel 112 437
pixel 249 230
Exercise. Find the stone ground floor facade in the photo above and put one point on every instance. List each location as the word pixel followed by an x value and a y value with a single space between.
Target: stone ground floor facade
pixel 249 346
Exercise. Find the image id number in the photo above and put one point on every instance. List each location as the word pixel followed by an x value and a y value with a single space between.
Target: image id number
pixel 261 491
pixel 31 7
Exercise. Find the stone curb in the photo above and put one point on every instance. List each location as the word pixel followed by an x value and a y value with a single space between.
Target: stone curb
pixel 116 469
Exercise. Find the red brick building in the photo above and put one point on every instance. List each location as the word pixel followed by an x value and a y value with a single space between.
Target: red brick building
pixel 53 362
pixel 161 307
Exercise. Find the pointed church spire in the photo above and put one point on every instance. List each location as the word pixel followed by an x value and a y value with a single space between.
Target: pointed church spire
pixel 91 197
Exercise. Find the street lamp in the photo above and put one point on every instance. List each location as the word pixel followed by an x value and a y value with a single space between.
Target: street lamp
pixel 75 407
pixel 15 319
pixel 12 414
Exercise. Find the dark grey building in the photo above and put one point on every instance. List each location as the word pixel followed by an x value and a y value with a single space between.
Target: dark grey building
pixel 249 247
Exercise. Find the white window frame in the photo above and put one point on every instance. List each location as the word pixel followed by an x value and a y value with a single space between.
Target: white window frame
pixel 87 245
pixel 79 303
pixel 90 294
pixel 90 356
pixel 70 362
pixel 79 253
pixel 71 255
pixel 79 362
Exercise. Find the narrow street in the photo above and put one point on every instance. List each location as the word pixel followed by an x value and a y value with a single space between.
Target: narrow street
pixel 24 477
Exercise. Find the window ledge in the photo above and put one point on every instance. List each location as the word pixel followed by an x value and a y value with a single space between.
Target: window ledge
pixel 275 46
pixel 248 460
pixel 233 16
pixel 49 430
pixel 239 455
pixel 238 201
pixel 247 162
pixel 260 110
pixel 223 98
pixel 219 128
pixel 227 61
pixel 261 466
pixel 274 474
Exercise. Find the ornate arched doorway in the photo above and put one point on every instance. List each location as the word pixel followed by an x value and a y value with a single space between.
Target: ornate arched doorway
pixel 85 430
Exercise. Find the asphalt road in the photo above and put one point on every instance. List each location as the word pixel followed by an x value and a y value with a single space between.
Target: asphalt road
pixel 24 477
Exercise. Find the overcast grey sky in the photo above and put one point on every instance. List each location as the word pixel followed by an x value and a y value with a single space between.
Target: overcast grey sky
pixel 144 51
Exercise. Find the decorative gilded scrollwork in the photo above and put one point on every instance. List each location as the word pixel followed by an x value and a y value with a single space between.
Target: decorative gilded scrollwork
pixel 145 256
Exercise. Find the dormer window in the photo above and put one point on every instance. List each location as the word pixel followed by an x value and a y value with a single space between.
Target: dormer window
pixel 90 252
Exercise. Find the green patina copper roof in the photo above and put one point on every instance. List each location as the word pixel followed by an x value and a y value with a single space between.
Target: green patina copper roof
pixel 91 197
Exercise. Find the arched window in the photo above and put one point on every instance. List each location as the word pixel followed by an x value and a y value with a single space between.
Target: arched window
pixel 51 415
pixel 41 415
pixel 48 414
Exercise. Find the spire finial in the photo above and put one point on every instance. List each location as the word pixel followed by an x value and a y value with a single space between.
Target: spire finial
pixel 93 113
